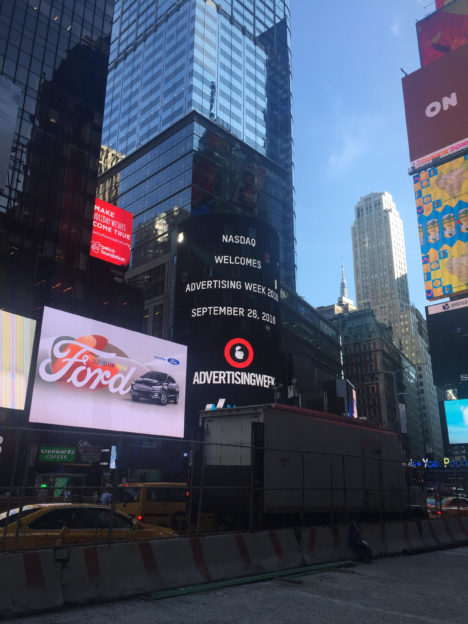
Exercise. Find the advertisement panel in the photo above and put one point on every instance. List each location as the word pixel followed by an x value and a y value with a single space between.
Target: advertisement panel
pixel 57 454
pixel 10 99
pixel 447 327
pixel 111 237
pixel 16 344
pixel 443 31
pixel 227 309
pixel 456 414
pixel 436 109
pixel 95 375
pixel 442 206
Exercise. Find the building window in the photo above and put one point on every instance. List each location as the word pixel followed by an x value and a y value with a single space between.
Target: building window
pixel 158 318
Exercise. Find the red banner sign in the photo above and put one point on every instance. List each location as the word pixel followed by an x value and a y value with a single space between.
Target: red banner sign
pixel 111 238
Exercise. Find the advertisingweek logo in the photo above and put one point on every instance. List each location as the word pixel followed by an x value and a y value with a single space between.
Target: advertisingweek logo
pixel 239 353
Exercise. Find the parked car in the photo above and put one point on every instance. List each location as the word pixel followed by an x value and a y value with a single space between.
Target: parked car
pixel 155 386
pixel 163 503
pixel 448 507
pixel 155 503
pixel 57 524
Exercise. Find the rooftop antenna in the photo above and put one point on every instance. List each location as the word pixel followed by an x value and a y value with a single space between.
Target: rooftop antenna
pixel 343 285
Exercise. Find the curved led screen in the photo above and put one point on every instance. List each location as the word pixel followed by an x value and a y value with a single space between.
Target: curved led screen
pixel 227 309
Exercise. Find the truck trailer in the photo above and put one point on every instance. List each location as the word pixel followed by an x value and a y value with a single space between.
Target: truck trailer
pixel 269 464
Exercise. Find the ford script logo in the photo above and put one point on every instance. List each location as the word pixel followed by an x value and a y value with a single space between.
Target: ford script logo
pixel 173 361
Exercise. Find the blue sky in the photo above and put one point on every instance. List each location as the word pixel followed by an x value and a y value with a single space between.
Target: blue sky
pixel 349 131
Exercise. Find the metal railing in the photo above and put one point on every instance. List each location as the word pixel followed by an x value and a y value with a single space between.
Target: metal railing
pixel 230 486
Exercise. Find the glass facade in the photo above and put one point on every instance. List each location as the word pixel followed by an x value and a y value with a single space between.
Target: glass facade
pixel 194 168
pixel 229 61
pixel 53 64
pixel 310 352
pixel 198 108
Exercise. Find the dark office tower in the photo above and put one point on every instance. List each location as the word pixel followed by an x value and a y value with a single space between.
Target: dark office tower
pixel 198 110
pixel 53 65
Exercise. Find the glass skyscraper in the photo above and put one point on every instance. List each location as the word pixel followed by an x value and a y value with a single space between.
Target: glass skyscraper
pixel 198 118
pixel 53 67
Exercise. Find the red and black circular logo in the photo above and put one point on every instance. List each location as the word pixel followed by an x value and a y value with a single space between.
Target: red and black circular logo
pixel 239 353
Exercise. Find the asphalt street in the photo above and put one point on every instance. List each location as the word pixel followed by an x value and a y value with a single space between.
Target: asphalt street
pixel 430 588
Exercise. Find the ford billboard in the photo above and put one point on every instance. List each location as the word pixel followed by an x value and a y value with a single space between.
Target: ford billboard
pixel 98 376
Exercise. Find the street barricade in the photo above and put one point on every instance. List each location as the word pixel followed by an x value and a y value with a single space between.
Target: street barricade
pixel 29 582
pixel 323 544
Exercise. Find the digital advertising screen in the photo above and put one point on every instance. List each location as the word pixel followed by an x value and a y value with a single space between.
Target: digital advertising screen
pixel 441 195
pixel 443 31
pixel 98 376
pixel 456 414
pixel 447 328
pixel 436 109
pixel 228 310
pixel 16 344
pixel 111 238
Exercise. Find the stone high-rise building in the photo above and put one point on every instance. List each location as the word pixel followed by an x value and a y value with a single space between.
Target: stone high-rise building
pixel 381 283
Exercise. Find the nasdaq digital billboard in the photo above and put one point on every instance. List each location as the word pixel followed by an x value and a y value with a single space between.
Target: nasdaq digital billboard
pixel 456 415
pixel 441 195
pixel 447 327
pixel 436 109
pixel 443 31
pixel 111 238
pixel 98 376
pixel 16 344
pixel 227 309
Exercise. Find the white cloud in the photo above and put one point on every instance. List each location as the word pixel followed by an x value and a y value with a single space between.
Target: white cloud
pixel 353 138
pixel 395 28
pixel 464 411
pixel 351 148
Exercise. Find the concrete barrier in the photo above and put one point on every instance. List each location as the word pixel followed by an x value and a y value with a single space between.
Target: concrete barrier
pixel 96 573
pixel 180 562
pixel 404 537
pixel 392 538
pixel 455 528
pixel 376 535
pixel 105 572
pixel 49 579
pixel 29 582
pixel 325 544
pixel 441 532
pixel 414 535
pixel 464 525
pixel 226 556
pixel 397 537
pixel 429 536
pixel 273 550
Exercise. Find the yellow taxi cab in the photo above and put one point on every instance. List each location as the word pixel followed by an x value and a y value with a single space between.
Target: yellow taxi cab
pixel 161 503
pixel 449 507
pixel 58 524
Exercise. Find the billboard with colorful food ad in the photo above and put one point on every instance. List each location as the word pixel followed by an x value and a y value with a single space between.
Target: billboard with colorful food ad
pixel 442 206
